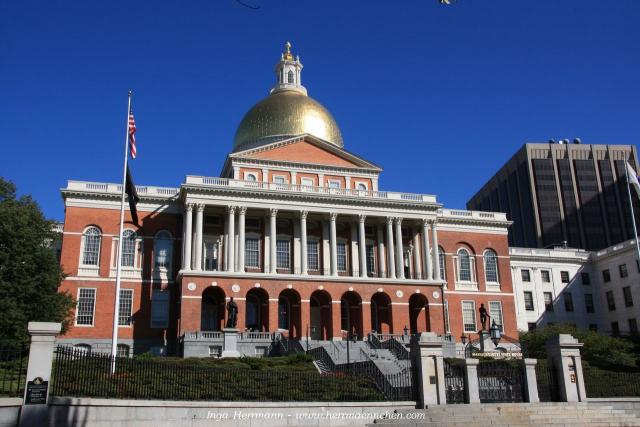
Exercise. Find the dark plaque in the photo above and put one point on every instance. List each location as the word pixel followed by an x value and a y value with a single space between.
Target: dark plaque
pixel 37 392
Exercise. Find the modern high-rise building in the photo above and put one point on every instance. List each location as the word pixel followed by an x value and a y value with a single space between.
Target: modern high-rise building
pixel 561 193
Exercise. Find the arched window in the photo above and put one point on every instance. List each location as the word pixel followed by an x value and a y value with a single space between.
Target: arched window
pixel 443 267
pixel 128 248
pixel 162 250
pixel 362 186
pixel 490 266
pixel 91 246
pixel 290 77
pixel 250 177
pixel 464 265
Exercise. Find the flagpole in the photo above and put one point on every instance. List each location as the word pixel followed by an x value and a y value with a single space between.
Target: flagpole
pixel 633 216
pixel 116 309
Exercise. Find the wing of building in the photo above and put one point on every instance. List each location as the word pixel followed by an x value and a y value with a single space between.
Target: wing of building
pixel 297 230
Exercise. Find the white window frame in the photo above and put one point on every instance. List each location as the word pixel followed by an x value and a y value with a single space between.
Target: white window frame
pixel 163 272
pixel 305 181
pixel 442 260
pixel 217 244
pixel 501 314
pixel 331 184
pixel 446 317
pixel 371 257
pixel 317 244
pixel 134 272
pixel 365 184
pixel 256 237
pixel 246 176
pixel 166 296
pixel 475 321
pixel 346 256
pixel 491 283
pixel 130 324
pixel 281 238
pixel 93 313
pixel 122 346
pixel 284 179
pixel 89 269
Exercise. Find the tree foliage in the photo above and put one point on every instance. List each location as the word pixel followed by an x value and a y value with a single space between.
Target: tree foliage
pixel 599 350
pixel 29 272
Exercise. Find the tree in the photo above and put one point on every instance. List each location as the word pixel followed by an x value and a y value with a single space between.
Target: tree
pixel 599 350
pixel 29 272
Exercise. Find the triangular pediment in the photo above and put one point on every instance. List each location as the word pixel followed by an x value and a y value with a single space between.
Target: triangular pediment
pixel 306 149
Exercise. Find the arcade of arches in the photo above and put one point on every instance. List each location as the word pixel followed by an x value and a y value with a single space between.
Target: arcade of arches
pixel 322 316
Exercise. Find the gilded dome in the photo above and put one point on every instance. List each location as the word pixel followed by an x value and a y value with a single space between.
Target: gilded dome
pixel 282 114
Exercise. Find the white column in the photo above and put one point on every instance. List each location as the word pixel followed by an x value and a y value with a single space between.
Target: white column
pixel 242 210
pixel 354 252
pixel 382 264
pixel 231 238
pixel 265 175
pixel 199 215
pixel 222 251
pixel 363 246
pixel 426 255
pixel 272 240
pixel 303 242
pixel 332 244
pixel 297 251
pixel 390 249
pixel 417 262
pixel 188 231
pixel 436 258
pixel 399 249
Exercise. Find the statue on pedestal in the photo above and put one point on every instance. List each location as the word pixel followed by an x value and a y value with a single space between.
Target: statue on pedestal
pixel 232 313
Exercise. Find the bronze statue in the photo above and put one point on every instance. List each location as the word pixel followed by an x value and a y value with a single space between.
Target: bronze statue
pixel 483 316
pixel 232 313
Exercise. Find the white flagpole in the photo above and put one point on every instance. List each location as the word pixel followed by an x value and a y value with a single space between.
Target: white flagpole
pixel 116 309
pixel 633 217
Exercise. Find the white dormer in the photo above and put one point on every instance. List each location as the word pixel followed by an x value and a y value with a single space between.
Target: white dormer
pixel 288 72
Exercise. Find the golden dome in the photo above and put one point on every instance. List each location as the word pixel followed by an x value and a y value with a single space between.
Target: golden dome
pixel 282 114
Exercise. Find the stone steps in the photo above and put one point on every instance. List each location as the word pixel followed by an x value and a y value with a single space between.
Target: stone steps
pixel 516 414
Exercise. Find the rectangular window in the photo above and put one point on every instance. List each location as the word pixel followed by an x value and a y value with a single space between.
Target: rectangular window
pixel 593 327
pixel 611 303
pixel 313 257
pixel 279 179
pixel 628 299
pixel 252 253
pixel 588 303
pixel 86 306
pixel 622 268
pixel 126 307
pixel 341 249
pixel 633 326
pixel 526 275
pixel 531 326
pixel 446 317
pixel 334 183
pixel 159 309
pixel 546 276
pixel 606 276
pixel 495 311
pixel 568 302
pixel 548 301
pixel 282 253
pixel 615 329
pixel 564 276
pixel 586 279
pixel 469 316
pixel 307 182
pixel 371 260
pixel 528 301
pixel 122 350
pixel 210 256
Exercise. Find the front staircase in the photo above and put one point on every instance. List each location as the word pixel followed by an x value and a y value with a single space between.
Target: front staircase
pixel 513 414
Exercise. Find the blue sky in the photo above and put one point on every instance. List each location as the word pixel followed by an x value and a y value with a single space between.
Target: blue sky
pixel 439 96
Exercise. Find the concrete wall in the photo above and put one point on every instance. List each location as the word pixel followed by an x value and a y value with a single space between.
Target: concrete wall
pixel 142 413
pixel 9 411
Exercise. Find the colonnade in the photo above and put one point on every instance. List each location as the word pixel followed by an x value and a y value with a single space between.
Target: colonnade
pixel 390 259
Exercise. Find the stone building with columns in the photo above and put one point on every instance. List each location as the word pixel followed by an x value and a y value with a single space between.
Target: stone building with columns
pixel 296 230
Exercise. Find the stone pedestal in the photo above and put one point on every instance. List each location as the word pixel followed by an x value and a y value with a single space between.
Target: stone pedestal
pixel 563 352
pixel 230 344
pixel 471 385
pixel 531 381
pixel 427 355
pixel 35 410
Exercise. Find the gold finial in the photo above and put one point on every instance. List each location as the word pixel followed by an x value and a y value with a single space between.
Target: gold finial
pixel 287 55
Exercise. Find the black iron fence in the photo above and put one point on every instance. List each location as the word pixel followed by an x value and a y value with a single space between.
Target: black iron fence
pixel 13 370
pixel 454 380
pixel 547 382
pixel 604 383
pixel 79 374
pixel 500 381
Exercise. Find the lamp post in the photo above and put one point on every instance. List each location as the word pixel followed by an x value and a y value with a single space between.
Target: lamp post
pixel 494 331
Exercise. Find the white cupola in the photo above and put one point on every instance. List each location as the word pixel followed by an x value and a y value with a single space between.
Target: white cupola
pixel 288 72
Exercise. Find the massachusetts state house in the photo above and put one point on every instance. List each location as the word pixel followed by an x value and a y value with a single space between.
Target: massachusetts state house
pixel 297 230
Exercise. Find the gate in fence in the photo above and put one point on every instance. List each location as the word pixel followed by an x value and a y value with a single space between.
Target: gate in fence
pixel 454 382
pixel 547 382
pixel 500 381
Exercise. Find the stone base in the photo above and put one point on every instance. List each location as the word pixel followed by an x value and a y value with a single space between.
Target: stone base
pixel 230 344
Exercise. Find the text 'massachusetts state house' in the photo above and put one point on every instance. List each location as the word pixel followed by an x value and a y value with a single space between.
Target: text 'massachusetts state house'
pixel 297 230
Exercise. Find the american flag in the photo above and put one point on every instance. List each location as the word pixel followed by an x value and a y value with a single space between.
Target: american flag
pixel 132 135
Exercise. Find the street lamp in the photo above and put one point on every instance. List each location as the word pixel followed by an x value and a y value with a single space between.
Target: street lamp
pixel 495 333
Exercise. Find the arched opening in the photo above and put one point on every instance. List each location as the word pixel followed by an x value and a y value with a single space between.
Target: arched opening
pixel 320 327
pixel 289 313
pixel 381 314
pixel 351 313
pixel 212 309
pixel 290 77
pixel 419 314
pixel 257 310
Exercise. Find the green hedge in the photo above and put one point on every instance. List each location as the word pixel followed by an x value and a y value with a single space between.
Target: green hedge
pixel 608 383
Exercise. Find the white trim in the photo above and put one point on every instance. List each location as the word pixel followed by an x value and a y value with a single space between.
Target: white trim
pixel 93 314
pixel 130 325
